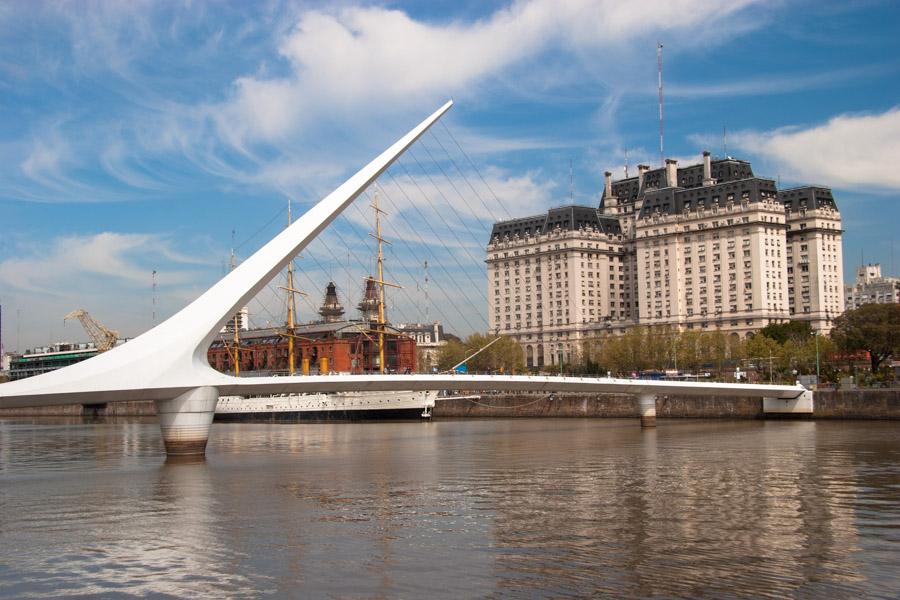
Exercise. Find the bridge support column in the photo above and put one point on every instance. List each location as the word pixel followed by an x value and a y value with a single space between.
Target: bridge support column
pixel 647 409
pixel 185 420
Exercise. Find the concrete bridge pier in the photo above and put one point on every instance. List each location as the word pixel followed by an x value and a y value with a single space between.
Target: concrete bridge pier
pixel 647 409
pixel 185 421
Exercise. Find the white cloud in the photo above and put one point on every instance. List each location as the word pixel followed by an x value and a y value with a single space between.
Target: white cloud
pixel 386 61
pixel 78 261
pixel 850 150
pixel 109 274
pixel 342 77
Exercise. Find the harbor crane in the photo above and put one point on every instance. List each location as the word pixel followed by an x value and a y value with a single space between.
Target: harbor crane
pixel 104 339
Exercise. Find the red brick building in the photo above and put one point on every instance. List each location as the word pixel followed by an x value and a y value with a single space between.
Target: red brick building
pixel 349 346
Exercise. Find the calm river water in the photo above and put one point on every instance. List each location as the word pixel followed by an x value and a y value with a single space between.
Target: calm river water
pixel 453 509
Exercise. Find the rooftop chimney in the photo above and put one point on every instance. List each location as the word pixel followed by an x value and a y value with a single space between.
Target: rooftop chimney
pixel 707 169
pixel 610 202
pixel 671 172
pixel 642 169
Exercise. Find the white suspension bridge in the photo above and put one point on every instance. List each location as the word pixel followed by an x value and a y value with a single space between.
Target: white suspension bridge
pixel 168 364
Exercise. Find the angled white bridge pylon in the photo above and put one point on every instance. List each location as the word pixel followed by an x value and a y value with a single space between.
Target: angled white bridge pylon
pixel 168 364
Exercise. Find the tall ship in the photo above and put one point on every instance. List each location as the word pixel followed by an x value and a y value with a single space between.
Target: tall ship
pixel 332 344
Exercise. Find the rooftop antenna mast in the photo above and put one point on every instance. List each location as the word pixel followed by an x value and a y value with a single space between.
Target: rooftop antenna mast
pixel 626 163
pixel 659 66
pixel 571 182
pixel 153 317
pixel 725 140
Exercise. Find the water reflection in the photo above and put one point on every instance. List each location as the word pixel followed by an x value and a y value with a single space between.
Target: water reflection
pixel 467 508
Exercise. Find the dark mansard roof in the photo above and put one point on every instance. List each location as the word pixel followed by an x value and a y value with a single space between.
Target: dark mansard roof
pixel 722 170
pixel 677 200
pixel 810 197
pixel 567 218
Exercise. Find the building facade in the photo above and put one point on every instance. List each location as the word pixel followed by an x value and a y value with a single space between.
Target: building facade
pixel 709 246
pixel 49 358
pixel 429 341
pixel 871 288
pixel 347 345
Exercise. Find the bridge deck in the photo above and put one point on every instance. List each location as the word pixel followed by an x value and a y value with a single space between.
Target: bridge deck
pixel 228 385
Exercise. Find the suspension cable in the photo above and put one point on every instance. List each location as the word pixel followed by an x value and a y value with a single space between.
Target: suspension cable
pixel 427 248
pixel 435 233
pixel 450 204
pixel 496 197
pixel 461 197
pixel 466 179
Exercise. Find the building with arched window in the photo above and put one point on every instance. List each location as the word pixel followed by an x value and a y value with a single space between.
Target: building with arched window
pixel 706 246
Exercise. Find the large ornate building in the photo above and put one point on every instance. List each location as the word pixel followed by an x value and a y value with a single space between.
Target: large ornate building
pixel 707 246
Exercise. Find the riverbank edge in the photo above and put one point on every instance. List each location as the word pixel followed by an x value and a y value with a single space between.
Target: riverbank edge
pixel 829 404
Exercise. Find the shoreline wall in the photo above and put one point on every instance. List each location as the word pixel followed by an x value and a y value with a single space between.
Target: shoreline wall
pixel 113 409
pixel 596 406
pixel 829 404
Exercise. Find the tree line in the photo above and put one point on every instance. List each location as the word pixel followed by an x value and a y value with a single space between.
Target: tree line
pixel 778 352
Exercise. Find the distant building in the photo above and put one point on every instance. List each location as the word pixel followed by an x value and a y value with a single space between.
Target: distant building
pixel 49 358
pixel 241 318
pixel 429 339
pixel 351 346
pixel 709 246
pixel 871 288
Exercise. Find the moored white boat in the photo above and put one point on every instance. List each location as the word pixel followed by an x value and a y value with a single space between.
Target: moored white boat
pixel 339 406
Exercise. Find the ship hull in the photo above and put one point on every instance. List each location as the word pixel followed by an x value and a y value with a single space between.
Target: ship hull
pixel 324 408
pixel 323 416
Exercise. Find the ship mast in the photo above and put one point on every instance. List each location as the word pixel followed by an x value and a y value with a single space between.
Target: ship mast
pixel 290 305
pixel 235 344
pixel 381 282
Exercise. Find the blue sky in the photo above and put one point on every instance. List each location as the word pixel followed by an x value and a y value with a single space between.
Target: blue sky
pixel 136 136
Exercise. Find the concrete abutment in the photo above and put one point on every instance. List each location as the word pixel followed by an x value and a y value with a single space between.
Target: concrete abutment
pixel 185 421
pixel 647 409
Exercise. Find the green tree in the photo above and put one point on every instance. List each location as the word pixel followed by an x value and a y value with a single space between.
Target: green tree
pixel 874 328
pixel 761 351
pixel 800 355
pixel 503 355
pixel 690 351
pixel 798 331
pixel 615 352
pixel 450 354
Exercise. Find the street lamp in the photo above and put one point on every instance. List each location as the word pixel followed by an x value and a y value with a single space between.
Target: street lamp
pixel 560 359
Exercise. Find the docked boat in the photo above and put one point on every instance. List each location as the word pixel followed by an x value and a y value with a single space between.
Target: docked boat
pixel 366 345
pixel 339 406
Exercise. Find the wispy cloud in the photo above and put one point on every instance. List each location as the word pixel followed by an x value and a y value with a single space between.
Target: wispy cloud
pixel 109 274
pixel 775 83
pixel 73 262
pixel 283 75
pixel 849 150
pixel 379 58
